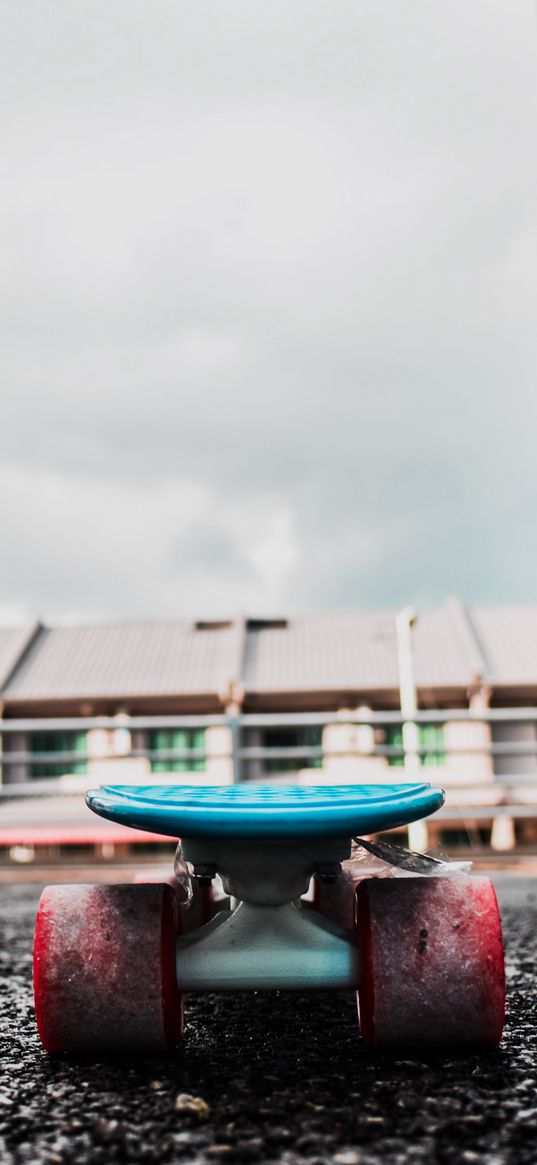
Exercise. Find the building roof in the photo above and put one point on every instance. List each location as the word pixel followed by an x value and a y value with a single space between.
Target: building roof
pixel 358 651
pixel 145 658
pixel 348 652
pixel 13 643
pixel 508 641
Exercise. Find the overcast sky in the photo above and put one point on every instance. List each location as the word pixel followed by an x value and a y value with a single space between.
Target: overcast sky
pixel 269 288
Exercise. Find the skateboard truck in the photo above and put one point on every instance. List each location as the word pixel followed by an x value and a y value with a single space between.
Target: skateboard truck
pixel 258 948
pixel 265 872
pixel 269 941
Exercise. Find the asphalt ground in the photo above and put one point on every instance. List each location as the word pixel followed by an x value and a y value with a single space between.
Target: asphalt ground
pixel 270 1078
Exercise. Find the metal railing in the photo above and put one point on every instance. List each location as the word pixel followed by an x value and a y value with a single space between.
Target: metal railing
pixel 242 753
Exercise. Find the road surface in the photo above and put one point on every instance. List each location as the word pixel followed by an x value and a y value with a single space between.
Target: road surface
pixel 270 1078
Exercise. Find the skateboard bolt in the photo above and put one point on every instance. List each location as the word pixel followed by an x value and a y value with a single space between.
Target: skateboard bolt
pixel 204 874
pixel 329 873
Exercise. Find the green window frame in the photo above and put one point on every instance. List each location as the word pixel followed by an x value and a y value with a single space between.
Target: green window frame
pixel 308 736
pixel 56 744
pixel 393 738
pixel 169 739
pixel 431 741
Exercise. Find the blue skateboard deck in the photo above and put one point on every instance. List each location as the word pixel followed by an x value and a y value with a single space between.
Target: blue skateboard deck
pixel 264 812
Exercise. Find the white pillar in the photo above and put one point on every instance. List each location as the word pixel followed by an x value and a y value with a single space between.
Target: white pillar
pixel 502 835
pixel 418 835
pixel 219 755
pixel 348 749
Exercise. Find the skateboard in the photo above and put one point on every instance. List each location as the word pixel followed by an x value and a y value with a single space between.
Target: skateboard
pixel 282 907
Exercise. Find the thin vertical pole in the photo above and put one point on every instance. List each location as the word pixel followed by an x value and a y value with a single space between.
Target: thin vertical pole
pixel 236 742
pixel 407 690
pixel 417 831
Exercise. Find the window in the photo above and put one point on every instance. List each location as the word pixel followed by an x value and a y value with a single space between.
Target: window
pixel 166 740
pixel 58 744
pixel 306 737
pixel 431 741
pixel 393 738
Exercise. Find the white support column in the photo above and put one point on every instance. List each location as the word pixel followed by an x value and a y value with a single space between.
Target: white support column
pixel 109 754
pixel 338 743
pixel 219 755
pixel 502 837
pixel 473 735
pixel 348 749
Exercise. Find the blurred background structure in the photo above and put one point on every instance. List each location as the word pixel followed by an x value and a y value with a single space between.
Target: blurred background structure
pixel 314 699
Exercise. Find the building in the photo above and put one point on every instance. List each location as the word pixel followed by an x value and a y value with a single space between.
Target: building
pixel 308 698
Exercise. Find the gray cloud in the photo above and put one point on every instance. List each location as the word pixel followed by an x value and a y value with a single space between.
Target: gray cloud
pixel 268 305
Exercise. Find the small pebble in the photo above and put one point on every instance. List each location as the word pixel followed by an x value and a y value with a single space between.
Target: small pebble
pixel 191 1105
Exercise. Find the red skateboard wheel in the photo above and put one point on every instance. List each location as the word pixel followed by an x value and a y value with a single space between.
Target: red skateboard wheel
pixel 105 969
pixel 432 967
